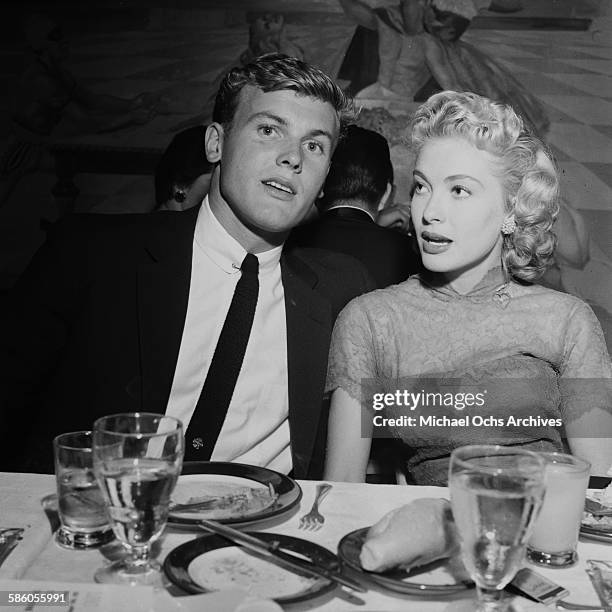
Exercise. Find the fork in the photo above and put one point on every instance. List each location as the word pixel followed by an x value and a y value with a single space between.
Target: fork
pixel 313 520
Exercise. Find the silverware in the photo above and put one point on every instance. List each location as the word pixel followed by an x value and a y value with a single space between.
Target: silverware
pixel 600 573
pixel 596 509
pixel 9 538
pixel 301 564
pixel 313 520
pixel 529 583
pixel 566 605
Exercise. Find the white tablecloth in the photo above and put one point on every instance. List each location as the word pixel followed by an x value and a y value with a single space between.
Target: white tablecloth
pixel 347 507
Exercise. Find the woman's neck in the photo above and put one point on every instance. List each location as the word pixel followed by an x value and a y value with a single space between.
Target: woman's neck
pixel 465 282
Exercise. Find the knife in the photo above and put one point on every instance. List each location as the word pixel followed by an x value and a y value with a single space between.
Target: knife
pixel 273 549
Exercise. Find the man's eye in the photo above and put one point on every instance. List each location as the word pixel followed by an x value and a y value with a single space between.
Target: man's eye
pixel 314 147
pixel 266 130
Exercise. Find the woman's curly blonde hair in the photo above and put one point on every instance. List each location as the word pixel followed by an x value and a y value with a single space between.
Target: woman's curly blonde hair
pixel 526 169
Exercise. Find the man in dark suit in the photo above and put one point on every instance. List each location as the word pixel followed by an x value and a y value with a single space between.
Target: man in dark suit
pixel 358 186
pixel 127 313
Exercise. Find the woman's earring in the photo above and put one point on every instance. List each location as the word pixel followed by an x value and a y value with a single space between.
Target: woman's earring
pixel 179 196
pixel 508 226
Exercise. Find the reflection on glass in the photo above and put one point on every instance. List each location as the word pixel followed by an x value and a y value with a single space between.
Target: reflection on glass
pixel 137 461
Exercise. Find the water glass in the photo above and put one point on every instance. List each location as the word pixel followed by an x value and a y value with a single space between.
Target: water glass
pixel 137 461
pixel 555 534
pixel 496 493
pixel 82 512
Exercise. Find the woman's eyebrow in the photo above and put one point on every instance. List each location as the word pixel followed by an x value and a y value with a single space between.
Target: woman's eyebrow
pixel 461 177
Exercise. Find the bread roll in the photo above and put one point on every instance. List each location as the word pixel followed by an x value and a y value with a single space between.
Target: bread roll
pixel 417 533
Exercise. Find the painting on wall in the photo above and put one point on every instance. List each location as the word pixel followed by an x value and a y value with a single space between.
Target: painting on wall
pixel 93 96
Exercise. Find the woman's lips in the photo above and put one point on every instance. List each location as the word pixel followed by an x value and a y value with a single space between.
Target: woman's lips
pixel 433 243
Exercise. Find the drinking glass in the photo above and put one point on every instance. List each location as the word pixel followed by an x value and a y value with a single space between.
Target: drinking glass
pixel 81 509
pixel 555 533
pixel 137 461
pixel 496 493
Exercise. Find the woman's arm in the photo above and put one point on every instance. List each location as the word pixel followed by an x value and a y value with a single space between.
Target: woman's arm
pixel 360 12
pixel 597 451
pixel 438 64
pixel 348 447
pixel 586 389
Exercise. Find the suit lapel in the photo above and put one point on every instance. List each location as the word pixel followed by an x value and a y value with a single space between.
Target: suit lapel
pixel 309 327
pixel 163 291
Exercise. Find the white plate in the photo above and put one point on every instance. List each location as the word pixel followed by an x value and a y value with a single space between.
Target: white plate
pixel 217 478
pixel 213 563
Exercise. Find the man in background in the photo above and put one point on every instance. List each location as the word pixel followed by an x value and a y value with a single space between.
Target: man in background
pixel 357 189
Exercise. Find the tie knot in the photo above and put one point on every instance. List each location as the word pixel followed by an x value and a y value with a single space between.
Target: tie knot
pixel 250 264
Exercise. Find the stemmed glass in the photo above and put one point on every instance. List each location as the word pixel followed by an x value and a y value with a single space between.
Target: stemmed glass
pixel 137 458
pixel 496 494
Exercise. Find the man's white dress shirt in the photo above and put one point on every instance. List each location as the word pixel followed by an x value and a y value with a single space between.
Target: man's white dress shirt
pixel 256 429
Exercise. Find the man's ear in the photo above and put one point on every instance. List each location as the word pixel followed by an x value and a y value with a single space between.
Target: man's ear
pixel 385 196
pixel 213 142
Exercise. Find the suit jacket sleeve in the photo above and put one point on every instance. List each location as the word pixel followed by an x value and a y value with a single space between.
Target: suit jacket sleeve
pixel 340 278
pixel 36 325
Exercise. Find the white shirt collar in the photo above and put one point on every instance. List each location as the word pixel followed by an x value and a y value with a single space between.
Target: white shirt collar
pixel 223 249
pixel 363 210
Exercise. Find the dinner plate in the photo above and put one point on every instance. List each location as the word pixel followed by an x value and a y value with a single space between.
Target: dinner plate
pixel 433 579
pixel 593 533
pixel 602 529
pixel 204 478
pixel 211 563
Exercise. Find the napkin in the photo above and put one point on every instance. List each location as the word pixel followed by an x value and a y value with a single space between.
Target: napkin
pixel 232 600
pixel 417 533
pixel 84 597
pixel 89 597
pixel 30 516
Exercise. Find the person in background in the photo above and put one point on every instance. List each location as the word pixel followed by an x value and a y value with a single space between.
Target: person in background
pixel 48 93
pixel 50 102
pixel 358 186
pixel 182 177
pixel 484 203
pixel 420 51
pixel 196 314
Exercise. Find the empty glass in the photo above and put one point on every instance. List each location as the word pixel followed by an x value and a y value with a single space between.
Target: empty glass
pixel 137 461
pixel 496 493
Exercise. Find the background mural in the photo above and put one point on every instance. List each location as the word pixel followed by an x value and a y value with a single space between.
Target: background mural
pixel 91 96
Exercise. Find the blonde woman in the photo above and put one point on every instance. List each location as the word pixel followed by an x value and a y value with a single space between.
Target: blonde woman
pixel 484 203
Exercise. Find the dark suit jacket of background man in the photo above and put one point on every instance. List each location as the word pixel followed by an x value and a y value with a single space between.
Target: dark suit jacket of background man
pixel 98 318
pixel 387 254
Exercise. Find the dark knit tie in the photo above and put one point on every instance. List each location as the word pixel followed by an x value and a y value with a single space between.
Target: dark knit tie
pixel 218 388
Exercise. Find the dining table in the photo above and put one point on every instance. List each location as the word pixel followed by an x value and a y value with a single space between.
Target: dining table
pixel 26 501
